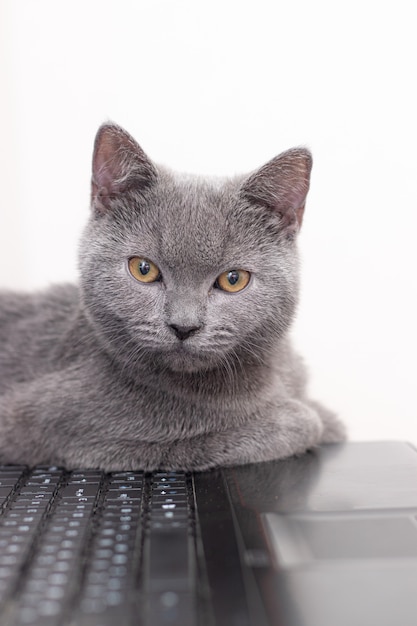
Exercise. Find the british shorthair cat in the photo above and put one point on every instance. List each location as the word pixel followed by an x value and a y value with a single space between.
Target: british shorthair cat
pixel 173 351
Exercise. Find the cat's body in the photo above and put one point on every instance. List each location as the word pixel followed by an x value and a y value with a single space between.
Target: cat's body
pixel 189 367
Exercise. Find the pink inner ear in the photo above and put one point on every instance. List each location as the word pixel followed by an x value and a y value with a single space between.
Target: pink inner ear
pixel 293 191
pixel 282 185
pixel 106 169
pixel 300 214
pixel 118 164
pixel 291 208
pixel 291 220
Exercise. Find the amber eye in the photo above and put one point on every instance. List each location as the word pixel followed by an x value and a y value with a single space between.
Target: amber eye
pixel 144 270
pixel 233 280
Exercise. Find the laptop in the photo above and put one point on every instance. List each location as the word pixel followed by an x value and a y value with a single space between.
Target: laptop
pixel 325 539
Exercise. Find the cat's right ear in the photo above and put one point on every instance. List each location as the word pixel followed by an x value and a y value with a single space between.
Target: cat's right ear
pixel 119 164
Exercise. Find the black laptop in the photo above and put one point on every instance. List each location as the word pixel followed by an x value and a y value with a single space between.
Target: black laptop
pixel 326 539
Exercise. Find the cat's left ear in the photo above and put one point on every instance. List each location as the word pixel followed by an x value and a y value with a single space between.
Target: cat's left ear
pixel 119 164
pixel 282 185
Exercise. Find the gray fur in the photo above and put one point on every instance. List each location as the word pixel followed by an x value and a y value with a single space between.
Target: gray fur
pixel 94 375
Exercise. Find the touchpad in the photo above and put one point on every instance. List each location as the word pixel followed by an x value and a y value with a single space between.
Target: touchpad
pixel 298 540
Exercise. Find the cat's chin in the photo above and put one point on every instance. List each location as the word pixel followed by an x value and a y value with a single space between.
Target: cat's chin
pixel 187 361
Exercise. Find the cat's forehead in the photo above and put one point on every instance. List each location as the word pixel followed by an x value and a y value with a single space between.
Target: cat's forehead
pixel 193 221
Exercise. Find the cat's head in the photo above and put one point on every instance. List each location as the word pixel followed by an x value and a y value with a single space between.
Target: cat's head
pixel 187 272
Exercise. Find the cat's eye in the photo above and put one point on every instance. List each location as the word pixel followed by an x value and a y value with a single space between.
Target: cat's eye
pixel 144 270
pixel 233 280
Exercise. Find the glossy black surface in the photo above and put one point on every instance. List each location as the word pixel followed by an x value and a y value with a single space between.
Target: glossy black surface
pixel 329 538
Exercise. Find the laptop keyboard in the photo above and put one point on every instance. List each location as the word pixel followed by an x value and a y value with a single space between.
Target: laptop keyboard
pixel 85 547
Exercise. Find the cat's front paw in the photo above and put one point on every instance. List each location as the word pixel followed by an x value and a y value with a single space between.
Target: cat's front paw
pixel 334 431
pixel 283 430
pixel 300 428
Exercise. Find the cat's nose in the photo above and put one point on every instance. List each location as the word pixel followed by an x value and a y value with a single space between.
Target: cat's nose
pixel 183 332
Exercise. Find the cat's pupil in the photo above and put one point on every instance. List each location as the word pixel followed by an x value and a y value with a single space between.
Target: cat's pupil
pixel 144 267
pixel 233 277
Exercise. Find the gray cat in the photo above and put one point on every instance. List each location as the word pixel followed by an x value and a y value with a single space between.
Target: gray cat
pixel 173 352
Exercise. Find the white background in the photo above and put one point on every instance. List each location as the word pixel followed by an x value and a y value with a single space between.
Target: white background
pixel 220 87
